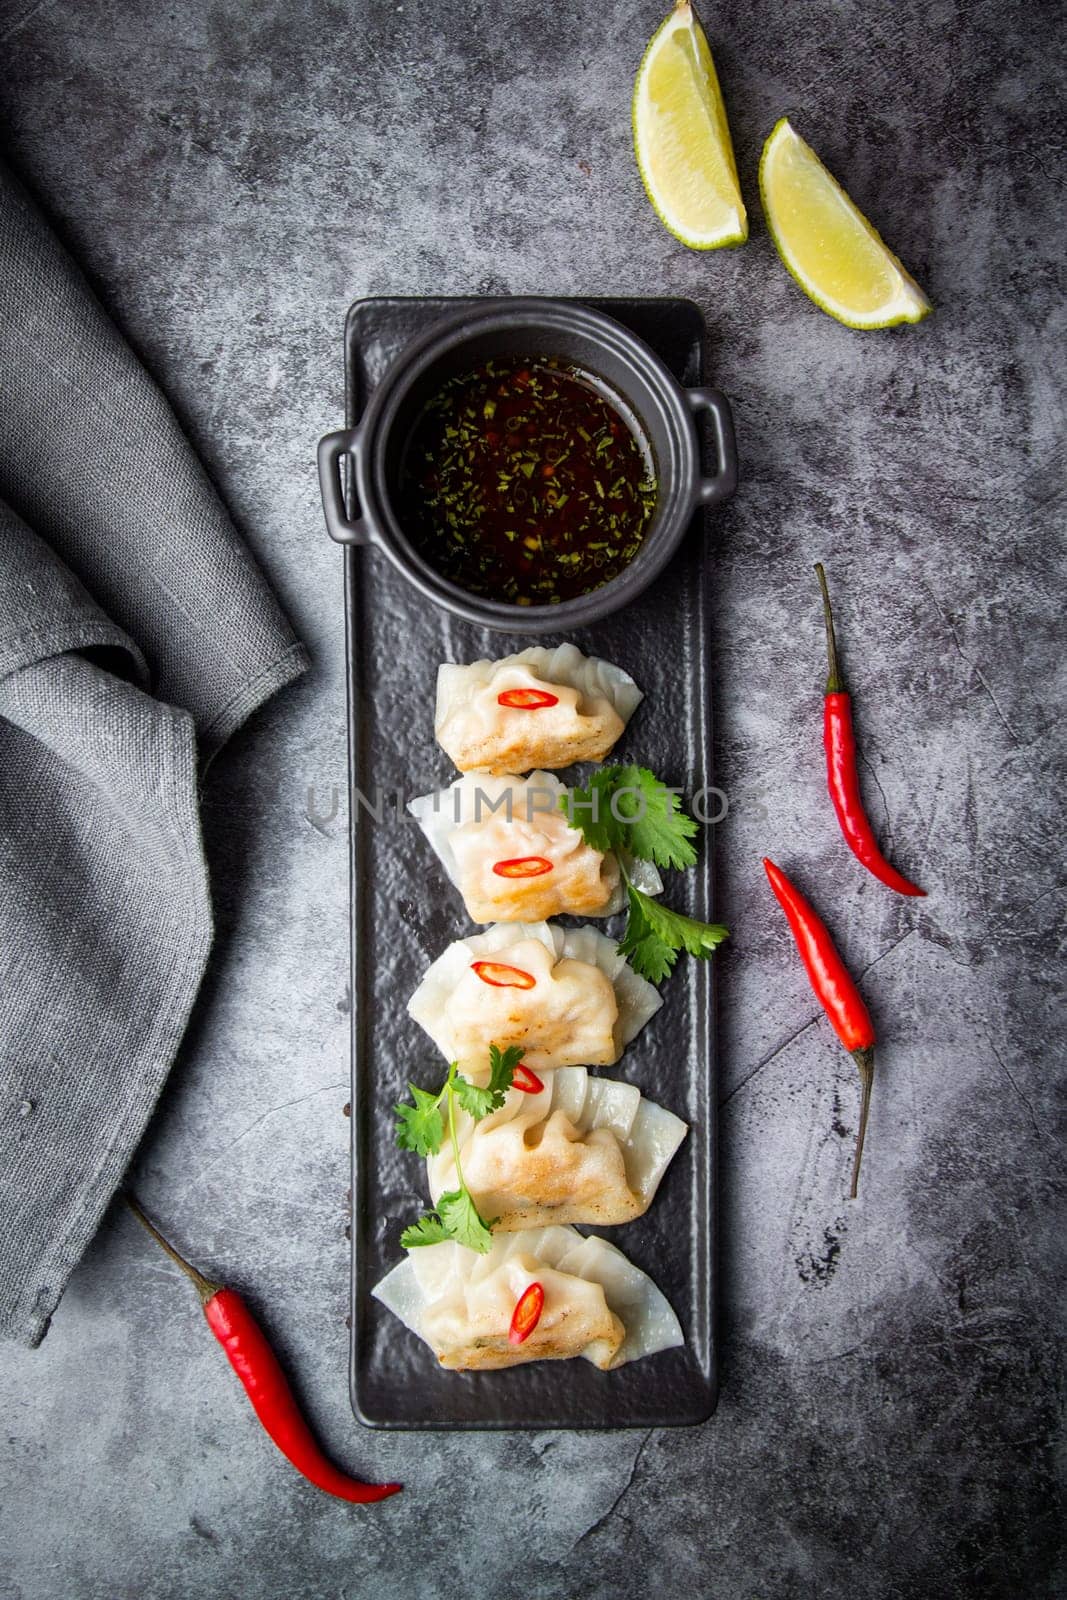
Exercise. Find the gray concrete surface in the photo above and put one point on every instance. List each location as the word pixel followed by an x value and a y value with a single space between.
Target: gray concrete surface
pixel 232 176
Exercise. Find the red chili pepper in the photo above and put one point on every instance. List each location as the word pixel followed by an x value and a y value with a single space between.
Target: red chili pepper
pixel 523 867
pixel 833 985
pixel 525 1080
pixel 842 775
pixel 527 1314
pixel 527 699
pixel 503 977
pixel 255 1363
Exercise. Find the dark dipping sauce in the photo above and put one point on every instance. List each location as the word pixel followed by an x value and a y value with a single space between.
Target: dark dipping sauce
pixel 528 481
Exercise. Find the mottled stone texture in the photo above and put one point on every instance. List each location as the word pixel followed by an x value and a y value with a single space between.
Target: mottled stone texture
pixel 232 176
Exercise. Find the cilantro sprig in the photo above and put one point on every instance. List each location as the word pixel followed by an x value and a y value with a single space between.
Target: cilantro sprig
pixel 655 936
pixel 628 810
pixel 420 1127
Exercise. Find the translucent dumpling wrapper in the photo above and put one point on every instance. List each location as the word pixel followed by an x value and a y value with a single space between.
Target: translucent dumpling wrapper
pixel 510 851
pixel 597 1304
pixel 583 1149
pixel 566 997
pixel 540 708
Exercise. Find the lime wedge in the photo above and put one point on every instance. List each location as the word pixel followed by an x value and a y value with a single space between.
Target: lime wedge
pixel 682 139
pixel 827 244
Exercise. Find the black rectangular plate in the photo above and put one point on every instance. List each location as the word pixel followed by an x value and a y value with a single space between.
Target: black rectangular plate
pixel 404 912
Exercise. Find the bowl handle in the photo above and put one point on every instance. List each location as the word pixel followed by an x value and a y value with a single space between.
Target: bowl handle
pixel 723 482
pixel 332 448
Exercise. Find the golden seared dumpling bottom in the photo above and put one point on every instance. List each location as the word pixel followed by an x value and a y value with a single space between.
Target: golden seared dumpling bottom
pixel 529 1175
pixel 506 844
pixel 563 873
pixel 539 708
pixel 566 997
pixel 493 740
pixel 579 1149
pixel 470 1332
pixel 565 1017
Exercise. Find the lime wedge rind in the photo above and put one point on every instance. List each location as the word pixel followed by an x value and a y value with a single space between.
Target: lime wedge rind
pixel 678 54
pixel 873 288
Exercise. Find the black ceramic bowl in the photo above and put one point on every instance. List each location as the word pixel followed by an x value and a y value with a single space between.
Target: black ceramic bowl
pixel 529 328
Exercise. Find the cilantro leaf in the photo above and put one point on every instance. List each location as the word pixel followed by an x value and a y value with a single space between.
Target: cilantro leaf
pixel 655 935
pixel 428 1230
pixel 646 951
pixel 700 939
pixel 589 810
pixel 657 829
pixel 456 1218
pixel 628 810
pixel 460 1217
pixel 476 1102
pixel 502 1064
pixel 420 1127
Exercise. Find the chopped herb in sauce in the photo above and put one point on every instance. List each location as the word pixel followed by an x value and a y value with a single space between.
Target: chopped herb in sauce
pixel 527 481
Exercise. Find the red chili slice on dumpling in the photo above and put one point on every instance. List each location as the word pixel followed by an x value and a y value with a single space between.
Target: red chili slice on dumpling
pixel 523 867
pixel 503 977
pixel 527 699
pixel 527 1314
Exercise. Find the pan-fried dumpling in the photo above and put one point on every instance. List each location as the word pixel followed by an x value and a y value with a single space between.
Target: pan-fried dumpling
pixel 597 1303
pixel 566 997
pixel 513 856
pixel 584 1149
pixel 540 708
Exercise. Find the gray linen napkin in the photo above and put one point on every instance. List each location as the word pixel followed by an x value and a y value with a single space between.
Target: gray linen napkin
pixel 136 633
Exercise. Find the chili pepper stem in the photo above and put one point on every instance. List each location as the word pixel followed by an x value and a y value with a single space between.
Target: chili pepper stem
pixel 204 1287
pixel 864 1060
pixel 835 684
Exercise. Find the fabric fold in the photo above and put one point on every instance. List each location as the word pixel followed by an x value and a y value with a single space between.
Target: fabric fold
pixel 106 921
pixel 93 459
pixel 136 634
